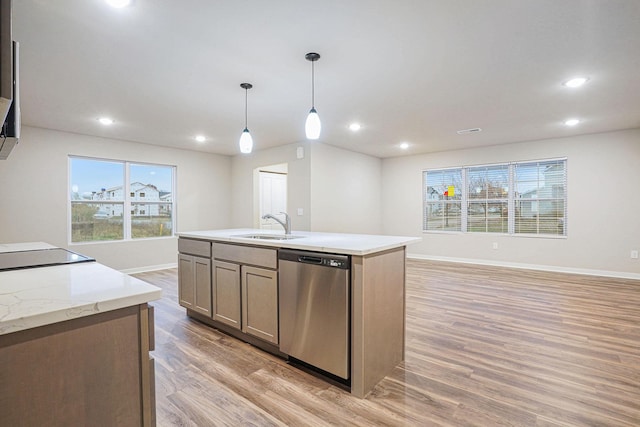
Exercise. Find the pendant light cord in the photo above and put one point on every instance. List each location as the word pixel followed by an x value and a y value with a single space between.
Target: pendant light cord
pixel 313 85
pixel 246 97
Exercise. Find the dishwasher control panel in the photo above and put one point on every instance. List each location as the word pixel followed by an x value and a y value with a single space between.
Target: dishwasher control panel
pixel 328 260
pixel 337 263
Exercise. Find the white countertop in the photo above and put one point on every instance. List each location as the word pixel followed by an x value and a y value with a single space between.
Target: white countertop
pixel 28 246
pixel 340 243
pixel 40 296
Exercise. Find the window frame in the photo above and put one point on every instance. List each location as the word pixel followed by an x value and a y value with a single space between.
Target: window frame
pixel 127 202
pixel 512 200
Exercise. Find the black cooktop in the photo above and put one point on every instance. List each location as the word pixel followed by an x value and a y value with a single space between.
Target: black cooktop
pixel 39 258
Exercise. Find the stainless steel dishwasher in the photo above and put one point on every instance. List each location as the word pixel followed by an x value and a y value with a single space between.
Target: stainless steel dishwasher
pixel 314 297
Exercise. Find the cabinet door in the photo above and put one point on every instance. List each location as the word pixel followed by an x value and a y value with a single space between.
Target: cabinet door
pixel 226 293
pixel 260 303
pixel 194 283
pixel 202 274
pixel 186 281
pixel 85 371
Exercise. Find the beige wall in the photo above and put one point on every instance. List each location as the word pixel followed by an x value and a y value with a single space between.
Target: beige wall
pixel 345 191
pixel 33 194
pixel 603 220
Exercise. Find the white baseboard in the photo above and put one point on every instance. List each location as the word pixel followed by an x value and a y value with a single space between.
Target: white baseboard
pixel 551 268
pixel 149 268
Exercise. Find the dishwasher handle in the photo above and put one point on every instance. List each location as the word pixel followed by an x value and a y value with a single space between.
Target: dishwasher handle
pixel 307 259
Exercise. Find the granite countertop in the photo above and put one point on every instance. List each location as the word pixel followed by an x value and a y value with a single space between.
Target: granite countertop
pixel 40 296
pixel 341 243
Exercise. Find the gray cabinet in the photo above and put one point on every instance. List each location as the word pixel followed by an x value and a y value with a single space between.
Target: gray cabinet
pixel 226 290
pixel 91 370
pixel 260 303
pixel 194 275
pixel 246 296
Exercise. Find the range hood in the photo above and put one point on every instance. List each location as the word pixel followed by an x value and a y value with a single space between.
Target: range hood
pixel 9 83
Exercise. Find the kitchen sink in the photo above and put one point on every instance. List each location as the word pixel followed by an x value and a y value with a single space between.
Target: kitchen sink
pixel 268 236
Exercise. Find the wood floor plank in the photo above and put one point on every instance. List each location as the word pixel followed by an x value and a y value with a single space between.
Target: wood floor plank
pixel 485 346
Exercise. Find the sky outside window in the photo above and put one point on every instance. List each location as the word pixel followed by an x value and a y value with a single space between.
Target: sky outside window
pixel 159 176
pixel 88 176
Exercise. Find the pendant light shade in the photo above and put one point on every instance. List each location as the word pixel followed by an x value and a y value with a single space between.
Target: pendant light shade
pixel 246 141
pixel 312 126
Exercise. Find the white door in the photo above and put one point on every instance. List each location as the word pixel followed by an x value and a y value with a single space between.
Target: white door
pixel 273 198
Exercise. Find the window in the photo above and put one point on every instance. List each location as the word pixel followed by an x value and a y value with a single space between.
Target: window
pixel 443 200
pixel 488 197
pixel 522 198
pixel 540 197
pixel 102 208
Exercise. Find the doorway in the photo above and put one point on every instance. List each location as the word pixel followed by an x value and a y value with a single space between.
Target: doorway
pixel 272 185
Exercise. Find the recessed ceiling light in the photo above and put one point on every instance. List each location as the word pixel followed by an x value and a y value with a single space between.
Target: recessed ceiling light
pixel 576 82
pixel 571 122
pixel 106 121
pixel 118 4
pixel 355 127
pixel 404 145
pixel 200 138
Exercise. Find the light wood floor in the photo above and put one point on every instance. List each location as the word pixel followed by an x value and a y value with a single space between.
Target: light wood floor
pixel 485 347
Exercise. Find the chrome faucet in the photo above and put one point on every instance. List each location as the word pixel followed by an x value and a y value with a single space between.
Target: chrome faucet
pixel 286 223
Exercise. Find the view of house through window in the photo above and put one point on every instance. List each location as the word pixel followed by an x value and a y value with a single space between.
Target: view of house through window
pixel 115 200
pixel 511 198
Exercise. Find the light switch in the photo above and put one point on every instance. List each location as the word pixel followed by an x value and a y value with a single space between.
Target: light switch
pixel 300 211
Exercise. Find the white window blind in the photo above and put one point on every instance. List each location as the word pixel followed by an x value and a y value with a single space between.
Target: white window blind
pixel 540 197
pixel 443 200
pixel 520 198
pixel 488 197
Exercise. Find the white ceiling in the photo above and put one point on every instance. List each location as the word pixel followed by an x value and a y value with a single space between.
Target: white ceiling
pixel 407 70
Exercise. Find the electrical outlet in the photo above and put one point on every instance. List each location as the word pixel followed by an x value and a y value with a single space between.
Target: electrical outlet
pixel 300 211
pixel 634 254
pixel 495 245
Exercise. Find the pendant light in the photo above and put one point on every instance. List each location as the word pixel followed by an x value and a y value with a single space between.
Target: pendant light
pixel 312 126
pixel 246 142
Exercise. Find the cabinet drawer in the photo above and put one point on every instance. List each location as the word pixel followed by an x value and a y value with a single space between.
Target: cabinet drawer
pixel 263 257
pixel 194 247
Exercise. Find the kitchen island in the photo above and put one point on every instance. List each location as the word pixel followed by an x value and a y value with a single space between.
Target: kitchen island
pixel 229 280
pixel 74 345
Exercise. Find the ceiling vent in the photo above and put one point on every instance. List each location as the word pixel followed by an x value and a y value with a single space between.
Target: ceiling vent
pixel 474 130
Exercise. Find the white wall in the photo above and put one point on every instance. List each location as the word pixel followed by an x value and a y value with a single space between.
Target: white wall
pixel 244 186
pixel 33 194
pixel 338 190
pixel 603 220
pixel 345 191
